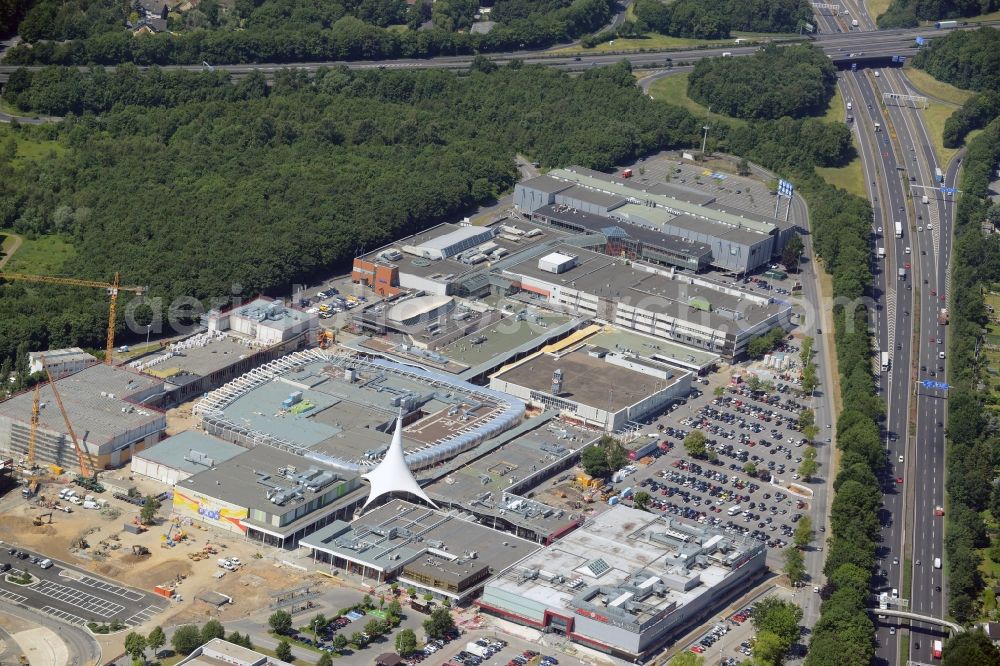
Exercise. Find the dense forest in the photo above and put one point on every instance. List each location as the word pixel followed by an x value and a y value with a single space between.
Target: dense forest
pixel 976 113
pixel 965 58
pixel 908 13
pixel 774 82
pixel 325 165
pixel 81 32
pixel 714 19
pixel 973 429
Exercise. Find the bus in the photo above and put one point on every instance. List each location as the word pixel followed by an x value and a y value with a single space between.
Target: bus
pixel 936 650
pixel 885 361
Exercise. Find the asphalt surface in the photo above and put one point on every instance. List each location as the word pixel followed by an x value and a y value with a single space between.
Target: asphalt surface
pixel 81 647
pixel 76 597
pixel 838 46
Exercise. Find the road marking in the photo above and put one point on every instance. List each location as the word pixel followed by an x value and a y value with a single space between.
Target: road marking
pixel 78 598
pixel 64 616
pixel 12 596
pixel 143 615
pixel 113 589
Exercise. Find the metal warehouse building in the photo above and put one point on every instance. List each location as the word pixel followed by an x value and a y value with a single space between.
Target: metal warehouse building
pixel 738 242
pixel 626 583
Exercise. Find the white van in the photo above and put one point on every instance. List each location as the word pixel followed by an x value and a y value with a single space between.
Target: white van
pixel 45 564
pixel 850 106
pixel 941 355
pixel 727 54
pixel 937 562
pixel 924 199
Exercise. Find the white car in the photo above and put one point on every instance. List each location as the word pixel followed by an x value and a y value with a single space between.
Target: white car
pixel 900 458
pixel 907 250
pixel 920 228
pixel 929 226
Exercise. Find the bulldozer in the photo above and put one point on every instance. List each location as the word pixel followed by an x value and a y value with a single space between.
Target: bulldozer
pixel 38 522
pixel 140 550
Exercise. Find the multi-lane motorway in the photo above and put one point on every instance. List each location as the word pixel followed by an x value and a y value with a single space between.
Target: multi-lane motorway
pixel 839 46
pixel 900 168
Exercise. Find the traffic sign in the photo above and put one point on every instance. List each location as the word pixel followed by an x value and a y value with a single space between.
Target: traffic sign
pixel 931 384
pixel 854 66
pixel 949 190
pixel 921 41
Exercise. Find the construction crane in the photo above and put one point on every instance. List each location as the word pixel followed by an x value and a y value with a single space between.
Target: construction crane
pixel 83 457
pixel 32 487
pixel 113 288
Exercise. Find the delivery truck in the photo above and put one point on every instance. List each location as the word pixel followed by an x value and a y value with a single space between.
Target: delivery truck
pixel 881 253
pixel 899 229
pixel 885 361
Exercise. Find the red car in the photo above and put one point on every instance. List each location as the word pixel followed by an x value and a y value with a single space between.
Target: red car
pixel 906 265
pixel 933 292
pixel 899 479
pixel 697 649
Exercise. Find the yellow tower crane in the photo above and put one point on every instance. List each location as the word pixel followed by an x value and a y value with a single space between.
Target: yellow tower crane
pixel 83 457
pixel 113 288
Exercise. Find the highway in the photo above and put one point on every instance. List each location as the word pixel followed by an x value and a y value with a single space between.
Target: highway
pixel 898 162
pixel 926 448
pixel 839 46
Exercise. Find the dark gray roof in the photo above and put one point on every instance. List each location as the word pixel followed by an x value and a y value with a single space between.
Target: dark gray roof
pixel 547 184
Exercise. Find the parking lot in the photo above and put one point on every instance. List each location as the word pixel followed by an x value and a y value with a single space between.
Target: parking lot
pixel 72 596
pixel 748 431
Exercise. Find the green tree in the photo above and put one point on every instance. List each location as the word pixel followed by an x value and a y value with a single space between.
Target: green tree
pixel 394 608
pixel 212 629
pixel 237 638
pixel 768 648
pixel 780 618
pixel 795 567
pixel 358 640
pixel 280 622
pixel 687 659
pixel 406 642
pixel 970 647
pixel 808 468
pixel 750 468
pixel 439 623
pixel 791 255
pixel 641 500
pixel 135 645
pixel 411 592
pixel 595 462
pixel 366 602
pixel 694 444
pixel 325 660
pixel 340 641
pixel 804 532
pixel 186 639
pixel 147 514
pixel 283 651
pixel 372 628
pixel 156 640
pixel 719 391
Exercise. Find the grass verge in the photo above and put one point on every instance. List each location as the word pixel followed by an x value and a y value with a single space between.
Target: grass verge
pixel 931 87
pixel 656 42
pixel 673 90
pixel 935 116
pixel 28 148
pixel 850 177
pixel 45 255
pixel 876 7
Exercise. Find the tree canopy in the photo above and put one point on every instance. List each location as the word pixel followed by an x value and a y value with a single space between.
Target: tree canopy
pixel 965 58
pixel 713 19
pixel 774 82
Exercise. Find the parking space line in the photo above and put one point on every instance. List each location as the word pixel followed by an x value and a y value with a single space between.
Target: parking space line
pixel 12 596
pixel 64 616
pixel 113 589
pixel 78 598
pixel 143 615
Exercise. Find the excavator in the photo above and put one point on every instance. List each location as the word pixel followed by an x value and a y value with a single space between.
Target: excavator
pixel 38 522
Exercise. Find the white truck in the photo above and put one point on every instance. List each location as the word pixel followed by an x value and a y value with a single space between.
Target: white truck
pixel 735 510
pixel 881 253
pixel 899 229
pixel 476 649
pixel 226 564
pixel 854 23
pixel 885 361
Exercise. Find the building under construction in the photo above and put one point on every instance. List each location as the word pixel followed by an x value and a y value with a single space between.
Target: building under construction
pixel 106 408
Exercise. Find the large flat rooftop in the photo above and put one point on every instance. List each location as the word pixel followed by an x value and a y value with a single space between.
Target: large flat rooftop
pixel 385 538
pixel 513 237
pixel 96 400
pixel 246 479
pixel 587 379
pixel 505 335
pixel 191 451
pixel 672 295
pixel 198 360
pixel 623 340
pixel 626 546
pixel 349 415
